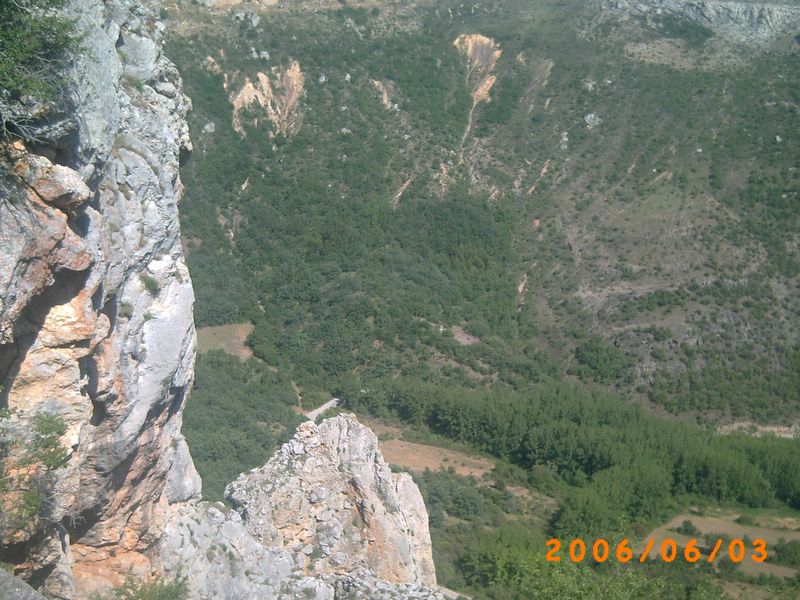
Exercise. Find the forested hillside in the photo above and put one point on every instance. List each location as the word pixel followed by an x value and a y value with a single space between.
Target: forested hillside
pixel 561 236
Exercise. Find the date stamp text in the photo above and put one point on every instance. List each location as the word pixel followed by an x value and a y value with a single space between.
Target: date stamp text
pixel 668 550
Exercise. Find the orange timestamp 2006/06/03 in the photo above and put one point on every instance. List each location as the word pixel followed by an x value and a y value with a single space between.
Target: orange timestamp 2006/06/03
pixel 668 550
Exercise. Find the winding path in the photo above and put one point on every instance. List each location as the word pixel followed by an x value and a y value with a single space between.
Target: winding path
pixel 313 414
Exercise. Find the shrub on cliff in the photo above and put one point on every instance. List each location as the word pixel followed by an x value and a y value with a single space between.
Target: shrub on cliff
pixel 156 589
pixel 28 458
pixel 35 43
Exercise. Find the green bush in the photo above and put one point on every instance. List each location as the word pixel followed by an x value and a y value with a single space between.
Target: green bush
pixel 28 460
pixel 688 528
pixel 786 553
pixel 125 310
pixel 150 283
pixel 600 361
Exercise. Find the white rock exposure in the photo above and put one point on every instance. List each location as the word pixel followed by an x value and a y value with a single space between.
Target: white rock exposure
pixel 96 302
pixel 329 498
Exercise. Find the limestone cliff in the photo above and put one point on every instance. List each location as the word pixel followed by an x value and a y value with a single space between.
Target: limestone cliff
pixel 308 497
pixel 96 302
pixel 96 327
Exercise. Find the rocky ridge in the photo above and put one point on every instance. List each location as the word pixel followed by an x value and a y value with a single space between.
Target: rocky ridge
pixel 753 23
pixel 325 518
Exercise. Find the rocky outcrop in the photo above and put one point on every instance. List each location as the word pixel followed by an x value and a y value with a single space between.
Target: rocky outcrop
pixel 325 518
pixel 12 587
pixel 330 498
pixel 96 303
pixel 749 22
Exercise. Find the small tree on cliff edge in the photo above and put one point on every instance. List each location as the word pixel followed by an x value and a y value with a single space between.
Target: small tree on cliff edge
pixel 35 43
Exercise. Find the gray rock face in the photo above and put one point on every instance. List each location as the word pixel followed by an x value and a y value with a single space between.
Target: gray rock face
pixel 11 587
pixel 749 22
pixel 210 543
pixel 96 302
pixel 325 518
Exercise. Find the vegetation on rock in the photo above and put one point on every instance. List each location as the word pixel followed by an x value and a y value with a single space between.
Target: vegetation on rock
pixel 36 41
pixel 29 457
pixel 156 589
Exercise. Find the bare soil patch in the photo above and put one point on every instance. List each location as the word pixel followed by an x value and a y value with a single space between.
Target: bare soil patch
pixel 382 430
pixel 462 337
pixel 418 457
pixel 726 525
pixel 228 338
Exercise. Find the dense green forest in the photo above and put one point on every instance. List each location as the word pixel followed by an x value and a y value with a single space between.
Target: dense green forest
pixel 625 469
pixel 611 242
pixel 490 543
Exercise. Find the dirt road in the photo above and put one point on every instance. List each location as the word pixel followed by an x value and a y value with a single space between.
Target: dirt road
pixel 313 414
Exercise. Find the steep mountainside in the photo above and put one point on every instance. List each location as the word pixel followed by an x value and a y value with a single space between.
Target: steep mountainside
pixel 604 191
pixel 561 233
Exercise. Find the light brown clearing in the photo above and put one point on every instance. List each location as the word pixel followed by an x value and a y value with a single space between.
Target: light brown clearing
pixel 712 527
pixel 418 457
pixel 780 522
pixel 229 338
pixel 726 525
pixel 462 337
pixel 516 490
pixel 383 430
